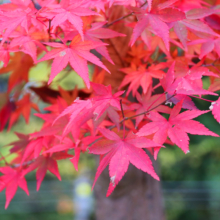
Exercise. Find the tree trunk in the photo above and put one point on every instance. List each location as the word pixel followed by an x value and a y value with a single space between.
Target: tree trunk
pixel 137 197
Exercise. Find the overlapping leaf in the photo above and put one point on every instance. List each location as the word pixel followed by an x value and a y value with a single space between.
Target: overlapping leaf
pixel 176 127
pixel 11 179
pixel 215 107
pixel 119 152
pixel 77 54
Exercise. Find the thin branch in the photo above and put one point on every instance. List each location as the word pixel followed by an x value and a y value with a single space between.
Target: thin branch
pixel 122 108
pixel 36 5
pixel 123 17
pixel 49 28
pixel 143 113
pixel 211 64
pixel 150 109
pixel 122 121
pixel 118 54
pixel 116 20
pixel 123 118
pixel 24 164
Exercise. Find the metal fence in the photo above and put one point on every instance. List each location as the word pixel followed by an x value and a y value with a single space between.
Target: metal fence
pixel 65 196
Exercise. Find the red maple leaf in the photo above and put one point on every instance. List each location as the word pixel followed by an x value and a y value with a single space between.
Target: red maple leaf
pixel 105 99
pixel 33 148
pixel 18 16
pixel 147 102
pixel 68 11
pixel 140 76
pixel 167 84
pixel 42 164
pixel 195 26
pixel 28 41
pixel 83 110
pixel 208 45
pixel 77 54
pixel 11 179
pixel 68 144
pixel 48 127
pixel 213 21
pixel 156 21
pixel 20 144
pixel 176 127
pixel 95 34
pixel 79 113
pixel 5 53
pixel 19 66
pixel 119 153
pixel 23 108
pixel 215 107
pixel 138 53
pixel 188 82
pixel 5 113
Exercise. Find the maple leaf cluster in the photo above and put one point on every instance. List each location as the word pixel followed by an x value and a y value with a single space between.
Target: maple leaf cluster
pixel 147 60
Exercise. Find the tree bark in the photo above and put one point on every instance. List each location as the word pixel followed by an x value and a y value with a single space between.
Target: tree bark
pixel 137 197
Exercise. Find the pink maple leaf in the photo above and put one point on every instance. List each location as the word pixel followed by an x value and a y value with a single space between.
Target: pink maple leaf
pixel 95 34
pixel 42 164
pixel 156 21
pixel 104 98
pixel 140 76
pixel 147 102
pixel 187 82
pixel 11 179
pixel 27 41
pixel 34 147
pixel 77 54
pixel 215 107
pixel 79 113
pixel 208 45
pixel 119 152
pixel 21 16
pixel 196 26
pixel 20 144
pixel 83 110
pixel 5 53
pixel 198 13
pixel 68 11
pixel 176 127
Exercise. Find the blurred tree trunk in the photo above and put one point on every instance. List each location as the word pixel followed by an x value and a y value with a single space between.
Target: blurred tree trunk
pixel 137 197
